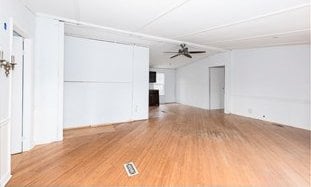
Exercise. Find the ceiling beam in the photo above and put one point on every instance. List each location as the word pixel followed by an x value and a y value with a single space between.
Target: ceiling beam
pixel 135 34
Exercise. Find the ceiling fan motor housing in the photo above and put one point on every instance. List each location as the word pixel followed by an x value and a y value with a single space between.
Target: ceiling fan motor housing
pixel 185 51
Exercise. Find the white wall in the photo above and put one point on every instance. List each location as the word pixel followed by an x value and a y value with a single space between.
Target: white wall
pixel 104 82
pixel 48 80
pixel 24 23
pixel 192 81
pixel 272 84
pixel 170 85
pixel 140 82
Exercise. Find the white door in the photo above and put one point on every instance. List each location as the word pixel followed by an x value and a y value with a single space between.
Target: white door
pixel 217 87
pixel 17 96
pixel 5 157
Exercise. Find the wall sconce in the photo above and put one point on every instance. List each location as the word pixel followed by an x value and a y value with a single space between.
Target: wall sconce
pixel 6 65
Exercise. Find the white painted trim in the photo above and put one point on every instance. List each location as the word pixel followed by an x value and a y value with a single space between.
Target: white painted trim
pixel 132 82
pixel 28 95
pixel 288 100
pixel 261 36
pixel 310 88
pixel 247 20
pixel 28 144
pixel 101 40
pixel 4 122
pixel 28 86
pixel 164 13
pixel 272 45
pixel 61 60
pixel 137 34
pixel 228 85
pixel 91 81
pixel 4 180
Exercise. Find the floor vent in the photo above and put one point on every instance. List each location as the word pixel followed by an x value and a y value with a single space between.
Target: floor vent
pixel 130 169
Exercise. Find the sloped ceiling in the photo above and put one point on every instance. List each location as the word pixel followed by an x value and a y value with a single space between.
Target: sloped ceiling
pixel 224 24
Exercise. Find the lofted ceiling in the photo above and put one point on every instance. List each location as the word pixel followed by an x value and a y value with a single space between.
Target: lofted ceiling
pixel 161 25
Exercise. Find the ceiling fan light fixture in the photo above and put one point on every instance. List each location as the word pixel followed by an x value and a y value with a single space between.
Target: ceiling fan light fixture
pixel 184 51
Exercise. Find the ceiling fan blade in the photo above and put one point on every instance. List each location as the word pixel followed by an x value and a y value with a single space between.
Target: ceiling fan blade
pixel 169 52
pixel 187 55
pixel 195 52
pixel 175 56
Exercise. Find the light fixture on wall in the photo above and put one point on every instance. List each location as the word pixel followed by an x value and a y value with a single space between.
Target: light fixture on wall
pixel 6 65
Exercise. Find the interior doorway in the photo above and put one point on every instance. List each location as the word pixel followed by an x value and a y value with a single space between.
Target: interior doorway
pixel 217 87
pixel 17 95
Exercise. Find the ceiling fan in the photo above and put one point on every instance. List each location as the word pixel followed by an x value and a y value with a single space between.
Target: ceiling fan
pixel 185 51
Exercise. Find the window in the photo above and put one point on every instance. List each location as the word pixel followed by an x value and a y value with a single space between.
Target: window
pixel 160 83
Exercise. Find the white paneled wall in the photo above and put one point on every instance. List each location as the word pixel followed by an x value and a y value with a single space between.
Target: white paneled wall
pixel 5 91
pixel 49 46
pixel 5 153
pixel 271 83
pixel 140 83
pixel 192 81
pixel 97 61
pixel 87 103
pixel 104 82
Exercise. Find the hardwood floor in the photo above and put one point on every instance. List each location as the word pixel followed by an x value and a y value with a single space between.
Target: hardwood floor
pixel 178 145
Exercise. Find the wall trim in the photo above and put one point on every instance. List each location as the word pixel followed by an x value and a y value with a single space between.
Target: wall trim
pixel 268 120
pixel 28 144
pixel 102 124
pixel 5 179
pixel 147 36
pixel 4 122
pixel 288 100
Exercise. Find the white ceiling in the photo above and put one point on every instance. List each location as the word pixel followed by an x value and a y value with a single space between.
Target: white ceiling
pixel 226 24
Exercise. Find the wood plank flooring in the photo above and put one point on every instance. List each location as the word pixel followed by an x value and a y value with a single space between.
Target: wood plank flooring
pixel 178 145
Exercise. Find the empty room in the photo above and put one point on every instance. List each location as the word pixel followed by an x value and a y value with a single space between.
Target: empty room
pixel 155 93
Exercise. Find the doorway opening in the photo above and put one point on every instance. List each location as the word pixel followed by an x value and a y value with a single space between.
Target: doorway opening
pixel 157 95
pixel 217 88
pixel 17 92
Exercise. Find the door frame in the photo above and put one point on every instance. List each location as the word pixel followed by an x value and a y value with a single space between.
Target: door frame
pixel 21 88
pixel 28 88
pixel 209 85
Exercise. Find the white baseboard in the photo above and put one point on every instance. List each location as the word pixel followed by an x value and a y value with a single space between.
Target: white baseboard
pixel 28 145
pixel 5 179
